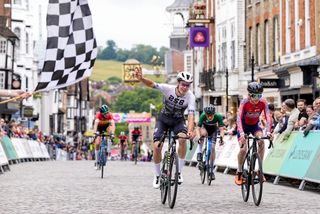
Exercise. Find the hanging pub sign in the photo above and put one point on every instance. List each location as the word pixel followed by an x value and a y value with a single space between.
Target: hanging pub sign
pixel 199 37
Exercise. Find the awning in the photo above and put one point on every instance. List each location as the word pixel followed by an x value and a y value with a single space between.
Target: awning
pixel 311 61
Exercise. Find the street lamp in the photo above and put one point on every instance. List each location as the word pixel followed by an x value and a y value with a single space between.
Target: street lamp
pixel 227 90
pixel 252 68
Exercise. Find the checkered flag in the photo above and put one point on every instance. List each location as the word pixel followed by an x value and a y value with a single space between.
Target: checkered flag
pixel 71 46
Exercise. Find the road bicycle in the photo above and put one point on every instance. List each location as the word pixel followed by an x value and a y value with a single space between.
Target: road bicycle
pixel 102 161
pixel 170 169
pixel 136 145
pixel 252 172
pixel 206 171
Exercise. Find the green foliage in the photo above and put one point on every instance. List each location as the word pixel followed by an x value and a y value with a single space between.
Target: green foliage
pixel 114 80
pixel 138 100
pixel 142 53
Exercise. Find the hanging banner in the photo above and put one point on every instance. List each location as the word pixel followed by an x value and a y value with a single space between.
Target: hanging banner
pixel 199 37
pixel 132 117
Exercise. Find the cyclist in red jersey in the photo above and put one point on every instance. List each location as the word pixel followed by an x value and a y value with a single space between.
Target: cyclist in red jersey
pixel 123 145
pixel 248 123
pixel 103 123
pixel 135 136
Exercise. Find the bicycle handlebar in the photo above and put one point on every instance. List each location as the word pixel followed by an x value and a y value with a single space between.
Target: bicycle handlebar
pixel 174 137
pixel 259 138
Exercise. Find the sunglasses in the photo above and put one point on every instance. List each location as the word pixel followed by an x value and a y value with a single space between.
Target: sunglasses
pixel 255 96
pixel 185 84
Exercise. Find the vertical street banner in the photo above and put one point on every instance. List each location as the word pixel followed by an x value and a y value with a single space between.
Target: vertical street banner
pixel 199 37
pixel 71 45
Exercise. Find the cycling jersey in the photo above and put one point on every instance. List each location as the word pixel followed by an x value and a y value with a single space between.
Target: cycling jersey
pixel 135 134
pixel 103 121
pixel 174 105
pixel 249 114
pixel 217 118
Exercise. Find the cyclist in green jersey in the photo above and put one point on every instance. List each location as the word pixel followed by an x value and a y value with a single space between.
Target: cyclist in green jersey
pixel 208 124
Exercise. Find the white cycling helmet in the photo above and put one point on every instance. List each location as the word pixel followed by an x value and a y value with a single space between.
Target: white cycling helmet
pixel 185 76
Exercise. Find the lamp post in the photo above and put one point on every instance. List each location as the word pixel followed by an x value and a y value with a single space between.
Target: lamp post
pixel 227 90
pixel 252 68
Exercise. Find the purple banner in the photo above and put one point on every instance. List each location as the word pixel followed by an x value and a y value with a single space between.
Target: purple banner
pixel 199 37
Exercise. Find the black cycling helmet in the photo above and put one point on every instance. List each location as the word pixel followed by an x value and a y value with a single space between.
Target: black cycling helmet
pixel 255 88
pixel 104 109
pixel 136 128
pixel 210 109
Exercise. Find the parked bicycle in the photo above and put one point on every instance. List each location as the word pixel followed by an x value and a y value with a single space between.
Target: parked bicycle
pixel 170 169
pixel 252 172
pixel 204 166
pixel 103 151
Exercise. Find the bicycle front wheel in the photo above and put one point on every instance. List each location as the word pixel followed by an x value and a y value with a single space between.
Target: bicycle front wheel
pixel 136 154
pixel 102 162
pixel 245 186
pixel 173 180
pixel 202 167
pixel 164 179
pixel 209 170
pixel 256 178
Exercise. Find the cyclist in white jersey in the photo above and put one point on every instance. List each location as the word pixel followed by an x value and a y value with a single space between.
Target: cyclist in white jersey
pixel 176 99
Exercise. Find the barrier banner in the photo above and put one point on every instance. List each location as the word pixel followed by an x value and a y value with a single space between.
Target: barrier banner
pixel 276 157
pixel 61 155
pixel 8 148
pixel 300 155
pixel 28 148
pixel 190 153
pixel 313 173
pixel 3 157
pixel 225 158
pixel 44 150
pixel 18 146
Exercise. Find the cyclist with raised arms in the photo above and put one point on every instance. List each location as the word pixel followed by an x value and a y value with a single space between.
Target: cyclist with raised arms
pixel 208 124
pixel 103 123
pixel 248 123
pixel 176 99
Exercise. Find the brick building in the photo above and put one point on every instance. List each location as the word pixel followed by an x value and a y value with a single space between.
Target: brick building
pixel 299 49
pixel 263 43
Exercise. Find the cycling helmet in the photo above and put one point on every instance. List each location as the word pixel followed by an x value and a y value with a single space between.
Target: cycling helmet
pixel 104 109
pixel 136 128
pixel 185 76
pixel 121 133
pixel 210 109
pixel 255 88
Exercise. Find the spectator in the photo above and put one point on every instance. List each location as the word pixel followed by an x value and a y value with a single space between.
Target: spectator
pixel 310 112
pixel 303 116
pixel 293 117
pixel 315 120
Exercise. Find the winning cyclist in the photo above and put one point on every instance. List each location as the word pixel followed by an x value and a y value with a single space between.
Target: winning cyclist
pixel 123 144
pixel 103 123
pixel 176 99
pixel 248 122
pixel 135 135
pixel 208 124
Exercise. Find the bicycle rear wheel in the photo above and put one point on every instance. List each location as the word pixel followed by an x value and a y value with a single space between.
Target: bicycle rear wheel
pixel 173 180
pixel 256 178
pixel 164 179
pixel 202 167
pixel 245 186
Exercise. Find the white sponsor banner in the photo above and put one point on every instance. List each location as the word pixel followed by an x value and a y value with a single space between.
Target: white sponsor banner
pixel 44 150
pixel 26 145
pixel 34 146
pixel 3 157
pixel 61 155
pixel 225 155
pixel 18 146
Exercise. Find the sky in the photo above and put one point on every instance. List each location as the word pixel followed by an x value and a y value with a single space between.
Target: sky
pixel 130 22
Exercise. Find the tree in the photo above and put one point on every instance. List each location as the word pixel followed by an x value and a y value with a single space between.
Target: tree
pixel 109 52
pixel 138 100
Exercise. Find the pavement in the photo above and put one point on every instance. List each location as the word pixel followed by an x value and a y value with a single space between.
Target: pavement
pixel 76 187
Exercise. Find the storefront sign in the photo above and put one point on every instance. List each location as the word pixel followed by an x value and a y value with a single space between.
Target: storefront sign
pixel 270 83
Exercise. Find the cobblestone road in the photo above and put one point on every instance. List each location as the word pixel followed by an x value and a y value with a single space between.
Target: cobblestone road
pixel 75 187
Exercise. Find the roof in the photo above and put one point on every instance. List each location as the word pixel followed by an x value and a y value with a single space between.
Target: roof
pixel 7 33
pixel 179 4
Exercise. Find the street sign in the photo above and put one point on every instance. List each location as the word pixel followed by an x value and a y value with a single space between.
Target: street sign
pixel 199 37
